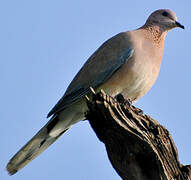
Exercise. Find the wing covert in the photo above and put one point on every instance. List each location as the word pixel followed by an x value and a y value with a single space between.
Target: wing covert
pixel 97 70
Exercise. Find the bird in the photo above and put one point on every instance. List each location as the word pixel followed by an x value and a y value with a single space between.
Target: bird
pixel 127 63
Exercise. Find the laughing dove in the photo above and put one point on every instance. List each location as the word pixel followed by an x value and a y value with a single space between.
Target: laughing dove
pixel 128 63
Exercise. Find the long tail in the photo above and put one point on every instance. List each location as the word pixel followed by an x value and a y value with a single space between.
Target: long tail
pixel 35 146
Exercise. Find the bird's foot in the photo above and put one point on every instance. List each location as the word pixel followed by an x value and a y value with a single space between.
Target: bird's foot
pixel 123 100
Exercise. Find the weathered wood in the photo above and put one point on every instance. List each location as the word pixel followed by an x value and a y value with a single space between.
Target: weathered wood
pixel 138 147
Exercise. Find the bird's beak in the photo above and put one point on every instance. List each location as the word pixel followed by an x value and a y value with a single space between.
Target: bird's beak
pixel 179 25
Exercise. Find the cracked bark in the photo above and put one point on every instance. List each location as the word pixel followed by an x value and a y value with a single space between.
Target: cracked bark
pixel 138 147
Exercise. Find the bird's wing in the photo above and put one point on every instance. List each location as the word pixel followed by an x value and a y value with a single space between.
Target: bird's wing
pixel 98 69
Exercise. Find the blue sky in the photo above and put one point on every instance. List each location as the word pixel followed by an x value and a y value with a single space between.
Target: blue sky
pixel 43 45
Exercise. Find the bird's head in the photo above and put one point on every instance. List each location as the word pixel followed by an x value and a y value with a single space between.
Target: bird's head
pixel 165 19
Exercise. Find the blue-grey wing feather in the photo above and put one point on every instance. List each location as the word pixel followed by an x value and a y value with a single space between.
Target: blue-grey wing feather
pixel 78 91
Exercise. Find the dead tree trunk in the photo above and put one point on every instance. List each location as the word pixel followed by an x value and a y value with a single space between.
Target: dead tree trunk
pixel 138 147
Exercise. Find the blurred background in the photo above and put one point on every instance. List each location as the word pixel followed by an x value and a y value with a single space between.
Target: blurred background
pixel 43 45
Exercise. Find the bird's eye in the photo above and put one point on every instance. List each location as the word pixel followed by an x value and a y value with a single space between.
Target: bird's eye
pixel 165 14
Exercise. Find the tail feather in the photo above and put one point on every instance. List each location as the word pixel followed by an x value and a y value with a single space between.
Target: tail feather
pixel 34 147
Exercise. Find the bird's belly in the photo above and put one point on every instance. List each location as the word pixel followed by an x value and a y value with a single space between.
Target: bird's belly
pixel 137 88
pixel 132 82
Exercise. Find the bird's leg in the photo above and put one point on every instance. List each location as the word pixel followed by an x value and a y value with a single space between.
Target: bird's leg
pixel 121 99
pixel 128 102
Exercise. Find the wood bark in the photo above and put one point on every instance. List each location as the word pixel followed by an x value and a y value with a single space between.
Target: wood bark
pixel 138 147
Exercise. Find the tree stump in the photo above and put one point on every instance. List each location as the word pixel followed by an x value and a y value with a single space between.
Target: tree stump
pixel 138 147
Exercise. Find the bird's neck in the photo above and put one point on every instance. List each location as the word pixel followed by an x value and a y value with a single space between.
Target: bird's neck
pixel 154 33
